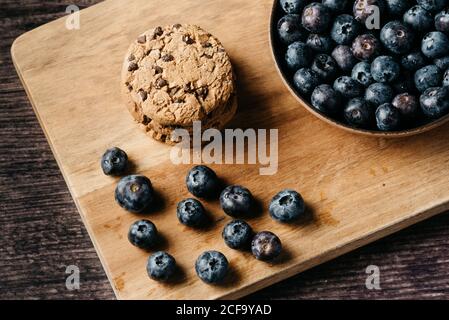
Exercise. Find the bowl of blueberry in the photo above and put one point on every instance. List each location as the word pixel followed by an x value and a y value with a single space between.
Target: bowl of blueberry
pixel 375 67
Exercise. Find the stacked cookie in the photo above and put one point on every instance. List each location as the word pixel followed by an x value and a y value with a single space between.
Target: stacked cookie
pixel 176 75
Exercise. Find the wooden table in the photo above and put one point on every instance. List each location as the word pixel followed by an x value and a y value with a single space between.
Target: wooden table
pixel 41 232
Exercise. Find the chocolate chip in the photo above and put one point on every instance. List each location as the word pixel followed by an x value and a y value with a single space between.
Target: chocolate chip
pixel 188 88
pixel 143 95
pixel 206 45
pixel 177 26
pixel 130 87
pixel 131 57
pixel 186 38
pixel 167 58
pixel 179 100
pixel 161 83
pixel 142 39
pixel 202 92
pixel 157 69
pixel 133 66
pixel 158 32
pixel 145 120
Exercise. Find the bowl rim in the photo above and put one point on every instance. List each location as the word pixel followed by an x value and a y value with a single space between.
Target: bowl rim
pixel 366 132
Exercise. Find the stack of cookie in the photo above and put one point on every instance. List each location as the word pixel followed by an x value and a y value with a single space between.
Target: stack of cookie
pixel 176 75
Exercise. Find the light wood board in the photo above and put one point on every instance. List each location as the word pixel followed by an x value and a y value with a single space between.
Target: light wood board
pixel 358 189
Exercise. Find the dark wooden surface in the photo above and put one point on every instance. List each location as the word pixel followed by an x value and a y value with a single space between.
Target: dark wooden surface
pixel 41 231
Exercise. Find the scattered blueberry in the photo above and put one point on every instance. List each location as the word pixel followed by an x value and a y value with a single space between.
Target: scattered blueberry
pixel 413 61
pixel 442 63
pixel 305 80
pixel 298 55
pixel 378 93
pixel 362 73
pixel 143 234
pixel 266 246
pixel 418 19
pixel 236 201
pixel 320 43
pixel 316 17
pixel 446 78
pixel 336 5
pixel 286 206
pixel 435 45
pixel 237 234
pixel 114 161
pixel 293 6
pixel 366 47
pixel 442 21
pixel 211 266
pixel 385 69
pixel 429 76
pixel 134 193
pixel 326 99
pixel 396 37
pixel 432 5
pixel 325 66
pixel 343 56
pixel 435 102
pixel 348 87
pixel 407 105
pixel 387 117
pixel 202 182
pixel 289 28
pixel 190 212
pixel 161 266
pixel 397 7
pixel 344 29
pixel 358 113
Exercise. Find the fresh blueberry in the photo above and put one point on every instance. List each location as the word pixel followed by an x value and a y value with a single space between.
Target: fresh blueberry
pixel 320 43
pixel 237 234
pixel 385 69
pixel 362 73
pixel 348 87
pixel 161 266
pixel 143 234
pixel 413 61
pixel 236 201
pixel 363 9
pixel 336 5
pixel 289 28
pixel 432 5
pixel 211 266
pixel 358 113
pixel 344 58
pixel 325 66
pixel 202 182
pixel 435 45
pixel 326 99
pixel 378 93
pixel 429 76
pixel 134 193
pixel 286 206
pixel 407 105
pixel 446 78
pixel 397 7
pixel 442 21
pixel 435 102
pixel 418 19
pixel 114 162
pixel 305 80
pixel 366 47
pixel 316 17
pixel 293 6
pixel 387 117
pixel 190 212
pixel 298 55
pixel 266 246
pixel 396 37
pixel 442 63
pixel 344 29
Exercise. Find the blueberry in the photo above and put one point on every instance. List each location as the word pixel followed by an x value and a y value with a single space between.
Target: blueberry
pixel 427 77
pixel 114 162
pixel 362 9
pixel 236 200
pixel 387 117
pixel 306 80
pixel 336 5
pixel 161 266
pixel 266 246
pixel 316 17
pixel 362 73
pixel 366 47
pixel 289 29
pixel 298 55
pixel 293 6
pixel 432 5
pixel 325 66
pixel 435 45
pixel 237 234
pixel 407 105
pixel 435 102
pixel 319 42
pixel 442 63
pixel 286 206
pixel 418 18
pixel 143 234
pixel 211 266
pixel 344 29
pixel 326 99
pixel 446 78
pixel 378 93
pixel 348 87
pixel 442 21
pixel 396 37
pixel 385 69
pixel 358 113
pixel 190 212
pixel 202 182
pixel 413 61
pixel 344 58
pixel 397 7
pixel 134 193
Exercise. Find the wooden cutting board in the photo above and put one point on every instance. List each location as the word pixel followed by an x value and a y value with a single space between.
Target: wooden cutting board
pixel 358 189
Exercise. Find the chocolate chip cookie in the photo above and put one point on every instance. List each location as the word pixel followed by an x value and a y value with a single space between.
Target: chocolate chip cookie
pixel 175 75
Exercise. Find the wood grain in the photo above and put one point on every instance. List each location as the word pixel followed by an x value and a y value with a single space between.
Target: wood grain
pixel 435 224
